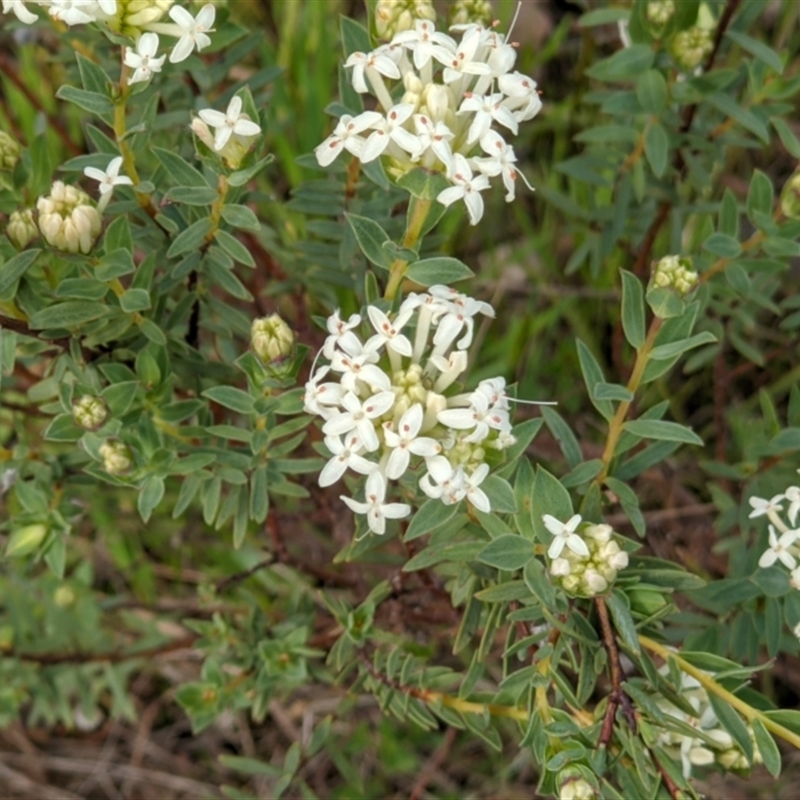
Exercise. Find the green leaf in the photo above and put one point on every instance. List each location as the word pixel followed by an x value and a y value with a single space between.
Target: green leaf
pixel 424 184
pixel 115 264
pixel 440 269
pixel 15 268
pixel 603 134
pixel 633 318
pixel 504 592
pixel 747 119
pixel 760 196
pixel 234 248
pixel 592 375
pixel 665 351
pixel 722 245
pixel 549 497
pixel 612 391
pixel 786 135
pixel 656 148
pixel 150 496
pixel 651 91
pixel 603 16
pixel 523 492
pixel 243 176
pixel 118 235
pixel 766 747
pixel 508 552
pixel 371 237
pixel 355 37
pixel 626 64
pixel 180 170
pixel 192 238
pixel 432 514
pixel 729 215
pixel 757 49
pixel 192 195
pixel 537 580
pixel 230 397
pixel 93 76
pixel 135 300
pixel 93 102
pixel 664 303
pixel 68 315
pixel 659 429
pixel 623 621
pixel 500 494
pixel 563 434
pixel 238 216
pixel 733 724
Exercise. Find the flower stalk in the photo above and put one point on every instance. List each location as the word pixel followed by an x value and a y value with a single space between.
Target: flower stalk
pixel 411 238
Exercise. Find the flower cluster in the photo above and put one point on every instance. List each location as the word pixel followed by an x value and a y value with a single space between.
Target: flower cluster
pixel 139 19
pixel 454 92
pixel 68 219
pixel 393 16
pixel 711 744
pixel 783 547
pixel 384 403
pixel 675 272
pixel 583 557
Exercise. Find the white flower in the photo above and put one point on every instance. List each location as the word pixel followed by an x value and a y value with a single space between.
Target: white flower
pixel 341 335
pixel 358 416
pixel 434 137
pixel 110 177
pixel 17 7
pixel 779 549
pixel 464 61
pixel 194 33
pixel 362 367
pixel 479 415
pixel 346 136
pixel 437 480
pixel 388 332
pixel 320 397
pixel 362 62
pixel 425 42
pixel 560 567
pixel 388 130
pixel 565 536
pixel 345 454
pixel 376 510
pixel 486 109
pixel 73 12
pixel 794 578
pixel 500 162
pixel 474 494
pixel 792 494
pixel 466 188
pixel 406 440
pixel 762 506
pixel 232 121
pixel 143 61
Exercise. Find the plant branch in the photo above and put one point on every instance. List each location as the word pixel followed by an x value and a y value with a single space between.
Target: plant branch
pixel 411 238
pixel 617 697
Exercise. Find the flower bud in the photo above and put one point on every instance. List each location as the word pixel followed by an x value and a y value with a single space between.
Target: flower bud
pixel 271 339
pixel 133 15
pixel 117 457
pixel 9 152
pixel 68 219
pixel 21 228
pixel 646 601
pixel 675 272
pixel 576 788
pixel 394 16
pixel 64 597
pixel 659 12
pixel 465 12
pixel 26 539
pixel 690 47
pixel 439 102
pixel 790 197
pixel 89 412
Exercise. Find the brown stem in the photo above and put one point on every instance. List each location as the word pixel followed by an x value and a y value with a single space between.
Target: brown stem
pixel 674 792
pixel 114 657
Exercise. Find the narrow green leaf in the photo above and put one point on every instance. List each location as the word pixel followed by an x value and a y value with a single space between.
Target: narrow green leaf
pixel 651 91
pixel 633 317
pixel 592 375
pixel 612 391
pixel 659 429
pixel 15 268
pixel 238 216
pixel 93 102
pixel 733 724
pixel 623 621
pixel 440 269
pixel 549 497
pixel 192 238
pixel 150 496
pixel 729 106
pixel 656 148
pixel 757 49
pixel 135 300
pixel 230 397
pixel 431 515
pixel 68 315
pixel 192 195
pixel 722 245
pixel 508 552
pixel 767 747
pixel 563 434
pixel 371 238
pixel 760 195
pixel 665 351
pixel 786 135
pixel 180 170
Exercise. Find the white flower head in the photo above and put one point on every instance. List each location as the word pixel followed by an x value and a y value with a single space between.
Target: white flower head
pixel 778 549
pixel 193 31
pixel 465 187
pixel 565 536
pixel 143 60
pixel 232 121
pixel 17 7
pixel 110 177
pixel 375 508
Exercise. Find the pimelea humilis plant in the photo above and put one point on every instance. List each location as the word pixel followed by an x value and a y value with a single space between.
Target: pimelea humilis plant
pixel 157 300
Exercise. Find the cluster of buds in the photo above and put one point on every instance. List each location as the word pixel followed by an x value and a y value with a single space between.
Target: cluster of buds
pixel 691 47
pixel 466 12
pixel 675 272
pixel 584 559
pixel 117 457
pixel 454 93
pixel 574 786
pixel 68 219
pixel 388 404
pixel 394 16
pixel 9 152
pixel 141 20
pixel 271 339
pixel 21 228
pixel 659 12
pixel 712 744
pixel 790 197
pixel 89 412
pixel 783 547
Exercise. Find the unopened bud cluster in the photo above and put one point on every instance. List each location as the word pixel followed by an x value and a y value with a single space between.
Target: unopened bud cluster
pixel 454 92
pixel 21 228
pixel 584 559
pixel 675 272
pixel 576 788
pixel 790 197
pixel 659 12
pixel 466 12
pixel 713 744
pixel 691 47
pixel 271 338
pixel 68 219
pixel 9 152
pixel 117 457
pixel 388 403
pixel 394 16
pixel 89 412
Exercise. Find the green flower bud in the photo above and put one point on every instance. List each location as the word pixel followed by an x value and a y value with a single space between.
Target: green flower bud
pixel 21 228
pixel 68 219
pixel 464 12
pixel 659 12
pixel 790 197
pixel 271 339
pixel 27 539
pixel 675 272
pixel 9 152
pixel 64 597
pixel 646 601
pixel 133 15
pixel 117 457
pixel 689 48
pixel 576 788
pixel 89 412
pixel 394 16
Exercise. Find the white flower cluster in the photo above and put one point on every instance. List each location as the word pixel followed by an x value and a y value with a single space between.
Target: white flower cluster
pixel 383 402
pixel 68 220
pixel 131 17
pixel 783 548
pixel 453 93
pixel 585 563
pixel 712 742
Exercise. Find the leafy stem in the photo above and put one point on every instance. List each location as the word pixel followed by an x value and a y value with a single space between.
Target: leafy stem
pixel 416 222
pixel 710 685
pixel 615 427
